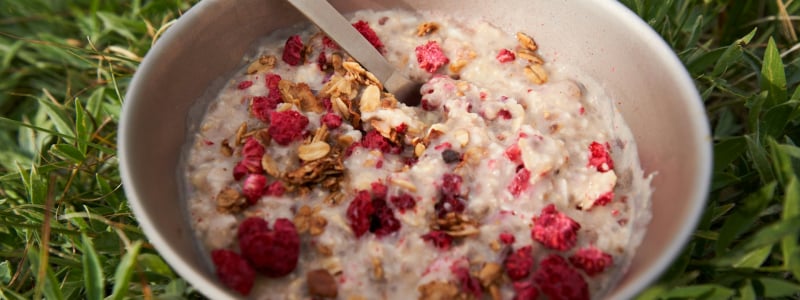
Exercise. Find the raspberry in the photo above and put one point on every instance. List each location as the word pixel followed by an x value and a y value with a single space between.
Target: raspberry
pixel 514 153
pixel 293 51
pixel 359 212
pixel 559 281
pixel 233 270
pixel 591 260
pixel 275 189
pixel 451 156
pixel 322 62
pixel 604 199
pixel 326 102
pixel 250 226
pixel 328 42
pixel 253 187
pixel 505 114
pixel 554 229
pixel 469 284
pixel 449 203
pixel 274 253
pixel 374 140
pixel 519 263
pixel 505 56
pixel 403 202
pixel 379 190
pixel 252 152
pixel 383 222
pixel 369 34
pixel 272 80
pixel 525 290
pixel 439 239
pixel 451 184
pixel 239 171
pixel 244 84
pixel 430 56
pixel 427 105
pixel 287 126
pixel 520 183
pixel 507 238
pixel 600 158
pixel 401 128
pixel 331 120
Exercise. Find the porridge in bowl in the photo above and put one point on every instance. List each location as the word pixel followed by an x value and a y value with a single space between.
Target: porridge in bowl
pixel 514 177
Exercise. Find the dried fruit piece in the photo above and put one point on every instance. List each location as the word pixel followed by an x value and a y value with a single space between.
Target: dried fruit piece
pixel 233 270
pixel 591 260
pixel 514 153
pixel 363 28
pixel 287 126
pixel 374 140
pixel 554 229
pixel 505 55
pixel 451 156
pixel 451 184
pixel 275 189
pixel 252 152
pixel 383 222
pixel 250 226
pixel 558 280
pixel 321 284
pixel 229 200
pixel 438 290
pixel 525 290
pixel 359 213
pixel 293 51
pixel 520 182
pixel 261 106
pixel 469 284
pixel 274 253
pixel 519 263
pixel 253 187
pixel 244 84
pixel 331 120
pixel 403 202
pixel 600 158
pixel 430 56
pixel 507 238
pixel 439 239
pixel 604 199
pixel 427 28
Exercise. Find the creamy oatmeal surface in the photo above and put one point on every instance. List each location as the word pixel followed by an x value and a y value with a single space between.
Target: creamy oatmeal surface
pixel 515 178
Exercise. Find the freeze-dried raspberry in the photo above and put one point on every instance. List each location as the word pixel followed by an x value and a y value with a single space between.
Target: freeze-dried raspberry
pixel 505 114
pixel 519 263
pixel 332 120
pixel 293 51
pixel 505 56
pixel 559 281
pixel 469 284
pixel 427 105
pixel 287 126
pixel 604 199
pixel 374 140
pixel 439 239
pixel 383 222
pixel 272 81
pixel 252 152
pixel 554 229
pixel 369 34
pixel 275 189
pixel 591 260
pixel 253 187
pixel 322 61
pixel 507 238
pixel 233 270
pixel 514 153
pixel 379 190
pixel 328 42
pixel 430 56
pixel 261 106
pixel 449 203
pixel 600 158
pixel 520 182
pixel 250 226
pixel 525 290
pixel 451 184
pixel 239 171
pixel 359 213
pixel 274 253
pixel 244 84
pixel 401 128
pixel 403 202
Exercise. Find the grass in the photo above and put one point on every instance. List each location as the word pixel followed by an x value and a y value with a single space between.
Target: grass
pixel 66 231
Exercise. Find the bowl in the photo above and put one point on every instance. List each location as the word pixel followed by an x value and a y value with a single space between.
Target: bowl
pixel 650 86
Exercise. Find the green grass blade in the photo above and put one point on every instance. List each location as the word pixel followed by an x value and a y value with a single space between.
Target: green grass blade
pixel 743 216
pixel 50 285
pixel 767 235
pixel 92 270
pixel 773 75
pixel 789 244
pixel 83 130
pixel 122 277
pixel 776 288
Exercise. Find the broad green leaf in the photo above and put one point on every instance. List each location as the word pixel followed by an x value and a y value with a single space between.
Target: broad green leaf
pixel 124 272
pixel 58 115
pixel 755 258
pixel 776 118
pixel 773 75
pixel 92 270
pixel 155 264
pixel 83 130
pixel 732 54
pixel 781 162
pixel 744 216
pixel 703 291
pixel 68 152
pixel 95 103
pixel 767 235
pixel 50 285
pixel 5 272
pixel 789 244
pixel 760 161
pixel 774 288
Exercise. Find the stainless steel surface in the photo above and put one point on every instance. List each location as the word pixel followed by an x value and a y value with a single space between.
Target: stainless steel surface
pixel 652 90
pixel 329 20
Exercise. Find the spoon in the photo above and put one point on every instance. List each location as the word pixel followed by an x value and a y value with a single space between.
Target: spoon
pixel 321 13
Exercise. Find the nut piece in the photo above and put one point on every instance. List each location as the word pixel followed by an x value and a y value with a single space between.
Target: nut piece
pixel 229 200
pixel 321 284
pixel 377 268
pixel 536 74
pixel 438 290
pixel 225 148
pixel 455 67
pixel 318 224
pixel 370 99
pixel 490 273
pixel 419 149
pixel 240 134
pixel 264 64
pixel 313 150
pixel 427 28
pixel 526 41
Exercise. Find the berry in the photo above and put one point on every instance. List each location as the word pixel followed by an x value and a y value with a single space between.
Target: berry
pixel 600 158
pixel 274 253
pixel 272 81
pixel 505 114
pixel 239 171
pixel 379 190
pixel 253 187
pixel 469 284
pixel 519 263
pixel 329 43
pixel 383 222
pixel 451 156
pixel 359 213
pixel 507 238
pixel 369 34
pixel 293 51
pixel 604 199
pixel 520 183
pixel 322 61
pixel 276 189
pixel 401 128
pixel 559 281
pixel 252 152
pixel 244 84
pixel 233 270
pixel 591 260
pixel 449 203
pixel 374 140
pixel 554 229
pixel 514 153
pixel 287 126
pixel 430 56
pixel 451 184
pixel 250 226
pixel 525 290
pixel 427 105
pixel 403 202
pixel 439 239
pixel 505 56
pixel 331 120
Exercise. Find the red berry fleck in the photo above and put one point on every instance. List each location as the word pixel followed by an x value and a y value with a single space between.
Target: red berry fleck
pixel 600 158
pixel 430 56
pixel 401 128
pixel 273 253
pixel 505 56
pixel 403 202
pixel 233 270
pixel 329 43
pixel 554 229
pixel 359 213
pixel 272 81
pixel 449 203
pixel 591 260
pixel 326 102
pixel 426 105
pixel 514 153
pixel 507 238
pixel 253 187
pixel 559 281
pixel 519 263
pixel 287 126
pixel 379 190
pixel 383 221
pixel 261 106
pixel 252 152
pixel 469 284
pixel 525 290
pixel 250 226
pixel 374 140
pixel 451 184
pixel 275 189
pixel 293 51
pixel 322 62
pixel 369 34
pixel 439 239
pixel 239 171
pixel 505 114
pixel 244 84
pixel 520 183
pixel 332 120
pixel 604 199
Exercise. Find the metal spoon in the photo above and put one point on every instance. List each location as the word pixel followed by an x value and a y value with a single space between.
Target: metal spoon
pixel 342 32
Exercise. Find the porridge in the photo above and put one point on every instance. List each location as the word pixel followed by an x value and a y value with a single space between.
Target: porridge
pixel 515 178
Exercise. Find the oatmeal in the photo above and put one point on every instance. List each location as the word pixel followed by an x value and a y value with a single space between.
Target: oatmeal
pixel 514 178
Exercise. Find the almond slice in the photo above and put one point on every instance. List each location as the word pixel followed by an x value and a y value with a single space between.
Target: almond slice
pixel 313 150
pixel 370 99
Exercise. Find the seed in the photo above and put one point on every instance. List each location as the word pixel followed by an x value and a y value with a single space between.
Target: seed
pixel 536 74
pixel 451 156
pixel 526 41
pixel 530 56
pixel 313 151
pixel 370 99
